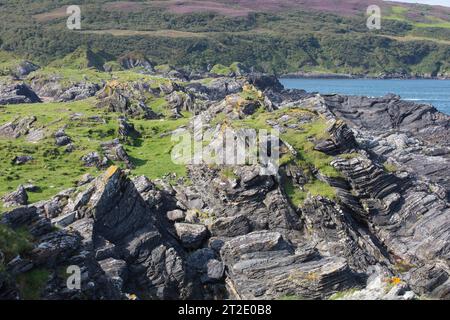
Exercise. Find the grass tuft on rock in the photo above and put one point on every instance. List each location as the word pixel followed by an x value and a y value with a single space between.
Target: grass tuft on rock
pixel 32 283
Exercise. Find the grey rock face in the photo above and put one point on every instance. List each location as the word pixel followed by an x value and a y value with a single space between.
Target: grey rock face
pixel 124 101
pixel 261 264
pixel 130 61
pixel 126 130
pixel 114 151
pixel 17 93
pixel 233 232
pixel 17 127
pixel 191 235
pixel 61 138
pixel 16 198
pixel 230 226
pixel 93 159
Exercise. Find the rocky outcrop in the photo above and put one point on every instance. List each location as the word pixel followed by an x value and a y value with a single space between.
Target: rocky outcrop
pixel 17 93
pixel 341 140
pixel 117 98
pixel 15 198
pixel 262 263
pixel 136 60
pixel 16 128
pixel 114 152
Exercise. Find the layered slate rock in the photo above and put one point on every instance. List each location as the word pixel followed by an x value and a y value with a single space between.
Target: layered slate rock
pixel 262 265
pixel 251 194
pixel 117 239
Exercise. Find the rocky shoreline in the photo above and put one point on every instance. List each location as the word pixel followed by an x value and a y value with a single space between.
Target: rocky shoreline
pixel 358 209
pixel 320 75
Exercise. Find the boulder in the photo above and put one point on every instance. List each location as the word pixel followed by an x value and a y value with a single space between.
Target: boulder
pixel 191 235
pixel 16 198
pixel 176 215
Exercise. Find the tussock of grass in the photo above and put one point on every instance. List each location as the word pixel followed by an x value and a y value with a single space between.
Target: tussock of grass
pixel 315 188
pixel 13 242
pixel 342 294
pixel 32 283
pixel 228 173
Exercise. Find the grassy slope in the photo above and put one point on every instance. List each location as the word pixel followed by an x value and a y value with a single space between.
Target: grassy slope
pixel 54 170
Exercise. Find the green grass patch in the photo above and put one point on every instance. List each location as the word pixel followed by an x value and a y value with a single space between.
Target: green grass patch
pixel 228 173
pixel 342 294
pixel 315 188
pixel 14 242
pixel 53 170
pixel 32 283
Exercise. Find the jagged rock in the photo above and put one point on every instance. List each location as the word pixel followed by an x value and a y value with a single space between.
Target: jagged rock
pixel 264 82
pixel 341 140
pixel 17 127
pixel 61 138
pixel 254 195
pixel 191 235
pixel 78 91
pixel 116 271
pixel 262 265
pixel 65 219
pixel 93 159
pixel 54 247
pixel 17 93
pixel 114 151
pixel 204 262
pixel 215 270
pixel 168 88
pixel 29 187
pixel 126 129
pixel 35 135
pixel 18 265
pixel 379 288
pixel 16 198
pixel 136 60
pixel 116 97
pixel 230 226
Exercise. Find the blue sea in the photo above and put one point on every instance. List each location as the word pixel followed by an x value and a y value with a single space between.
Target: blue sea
pixel 435 92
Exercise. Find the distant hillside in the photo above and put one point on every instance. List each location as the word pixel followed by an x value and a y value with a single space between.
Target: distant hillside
pixel 274 36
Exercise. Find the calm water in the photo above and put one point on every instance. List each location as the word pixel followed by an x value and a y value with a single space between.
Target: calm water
pixel 435 92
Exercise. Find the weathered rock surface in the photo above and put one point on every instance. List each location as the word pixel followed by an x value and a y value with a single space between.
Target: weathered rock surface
pixel 15 198
pixel 16 128
pixel 17 93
